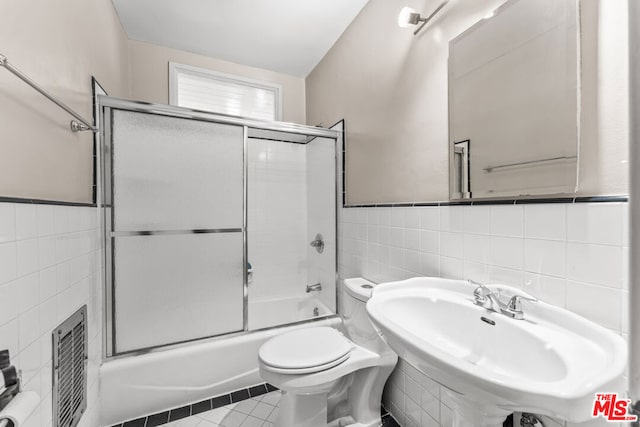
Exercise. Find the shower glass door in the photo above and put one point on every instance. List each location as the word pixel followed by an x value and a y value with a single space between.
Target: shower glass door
pixel 208 224
pixel 291 201
pixel 175 229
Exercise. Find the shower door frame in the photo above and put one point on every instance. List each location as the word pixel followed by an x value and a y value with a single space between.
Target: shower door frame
pixel 106 105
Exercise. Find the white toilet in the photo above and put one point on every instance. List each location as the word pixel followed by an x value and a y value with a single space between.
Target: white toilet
pixel 324 374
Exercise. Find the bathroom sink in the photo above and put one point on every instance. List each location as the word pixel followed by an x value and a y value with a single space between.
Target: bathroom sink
pixel 551 362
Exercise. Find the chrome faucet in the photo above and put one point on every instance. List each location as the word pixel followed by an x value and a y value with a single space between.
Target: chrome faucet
pixel 486 298
pixel 314 288
pixel 514 306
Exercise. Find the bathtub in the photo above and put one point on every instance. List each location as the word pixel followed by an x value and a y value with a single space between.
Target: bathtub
pixel 268 313
pixel 135 386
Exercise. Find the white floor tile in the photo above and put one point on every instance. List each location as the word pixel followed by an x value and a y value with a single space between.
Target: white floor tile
pixel 272 398
pixel 272 417
pixel 246 406
pixel 185 422
pixel 233 419
pixel 205 423
pixel 254 412
pixel 262 411
pixel 252 422
pixel 216 415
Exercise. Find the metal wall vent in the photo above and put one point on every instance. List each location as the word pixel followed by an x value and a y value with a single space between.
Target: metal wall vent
pixel 70 357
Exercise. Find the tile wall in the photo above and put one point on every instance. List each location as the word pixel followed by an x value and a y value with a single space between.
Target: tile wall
pixel 321 217
pixel 277 218
pixel 49 258
pixel 291 199
pixel 570 255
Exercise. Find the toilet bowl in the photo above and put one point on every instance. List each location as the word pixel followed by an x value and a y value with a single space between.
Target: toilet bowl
pixel 313 366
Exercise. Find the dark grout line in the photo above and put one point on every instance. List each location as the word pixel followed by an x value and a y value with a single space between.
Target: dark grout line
pixel 482 202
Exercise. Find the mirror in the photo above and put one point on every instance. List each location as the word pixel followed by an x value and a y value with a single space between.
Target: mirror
pixel 513 102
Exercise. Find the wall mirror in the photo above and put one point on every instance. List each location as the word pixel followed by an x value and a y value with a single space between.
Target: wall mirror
pixel 514 88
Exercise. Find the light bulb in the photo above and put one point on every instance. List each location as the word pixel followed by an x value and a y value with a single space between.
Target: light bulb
pixel 404 18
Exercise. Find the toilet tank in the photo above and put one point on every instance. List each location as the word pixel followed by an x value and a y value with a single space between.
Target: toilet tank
pixel 358 327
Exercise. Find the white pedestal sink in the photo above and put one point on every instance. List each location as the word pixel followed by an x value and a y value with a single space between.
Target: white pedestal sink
pixel 552 362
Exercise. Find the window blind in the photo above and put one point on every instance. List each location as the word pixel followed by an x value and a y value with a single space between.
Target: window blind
pixel 205 90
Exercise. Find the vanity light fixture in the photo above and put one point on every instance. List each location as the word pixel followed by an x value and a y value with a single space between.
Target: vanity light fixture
pixel 409 16
pixel 490 14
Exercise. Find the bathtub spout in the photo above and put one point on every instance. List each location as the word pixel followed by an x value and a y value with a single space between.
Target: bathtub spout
pixel 314 288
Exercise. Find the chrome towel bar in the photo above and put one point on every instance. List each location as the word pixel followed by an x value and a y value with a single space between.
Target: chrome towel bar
pixel 530 162
pixel 79 124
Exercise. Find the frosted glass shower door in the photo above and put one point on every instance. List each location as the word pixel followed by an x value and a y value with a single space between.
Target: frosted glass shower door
pixel 177 229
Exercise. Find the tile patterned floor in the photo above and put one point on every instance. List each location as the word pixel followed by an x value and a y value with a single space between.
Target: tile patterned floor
pixel 258 411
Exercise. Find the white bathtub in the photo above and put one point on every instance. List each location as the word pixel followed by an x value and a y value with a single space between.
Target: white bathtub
pixel 140 385
pixel 268 313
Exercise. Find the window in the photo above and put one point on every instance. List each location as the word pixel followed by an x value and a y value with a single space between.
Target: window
pixel 203 89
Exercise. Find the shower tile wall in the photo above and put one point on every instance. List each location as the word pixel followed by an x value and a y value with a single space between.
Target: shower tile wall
pixel 291 199
pixel 321 208
pixel 49 267
pixel 277 214
pixel 570 255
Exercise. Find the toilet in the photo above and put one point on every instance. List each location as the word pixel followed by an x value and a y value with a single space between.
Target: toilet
pixel 327 377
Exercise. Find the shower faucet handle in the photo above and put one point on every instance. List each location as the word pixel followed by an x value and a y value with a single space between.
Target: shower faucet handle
pixel 318 243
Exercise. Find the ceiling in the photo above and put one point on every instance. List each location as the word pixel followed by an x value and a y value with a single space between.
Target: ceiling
pixel 287 36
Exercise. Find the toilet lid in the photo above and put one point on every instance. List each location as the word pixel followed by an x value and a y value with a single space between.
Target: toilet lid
pixel 306 348
pixel 311 370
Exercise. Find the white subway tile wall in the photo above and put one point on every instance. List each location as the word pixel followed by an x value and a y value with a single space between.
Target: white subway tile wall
pixel 291 199
pixel 49 267
pixel 277 214
pixel 570 255
pixel 321 217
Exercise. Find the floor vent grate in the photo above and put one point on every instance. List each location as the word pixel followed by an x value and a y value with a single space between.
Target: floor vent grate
pixel 70 369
